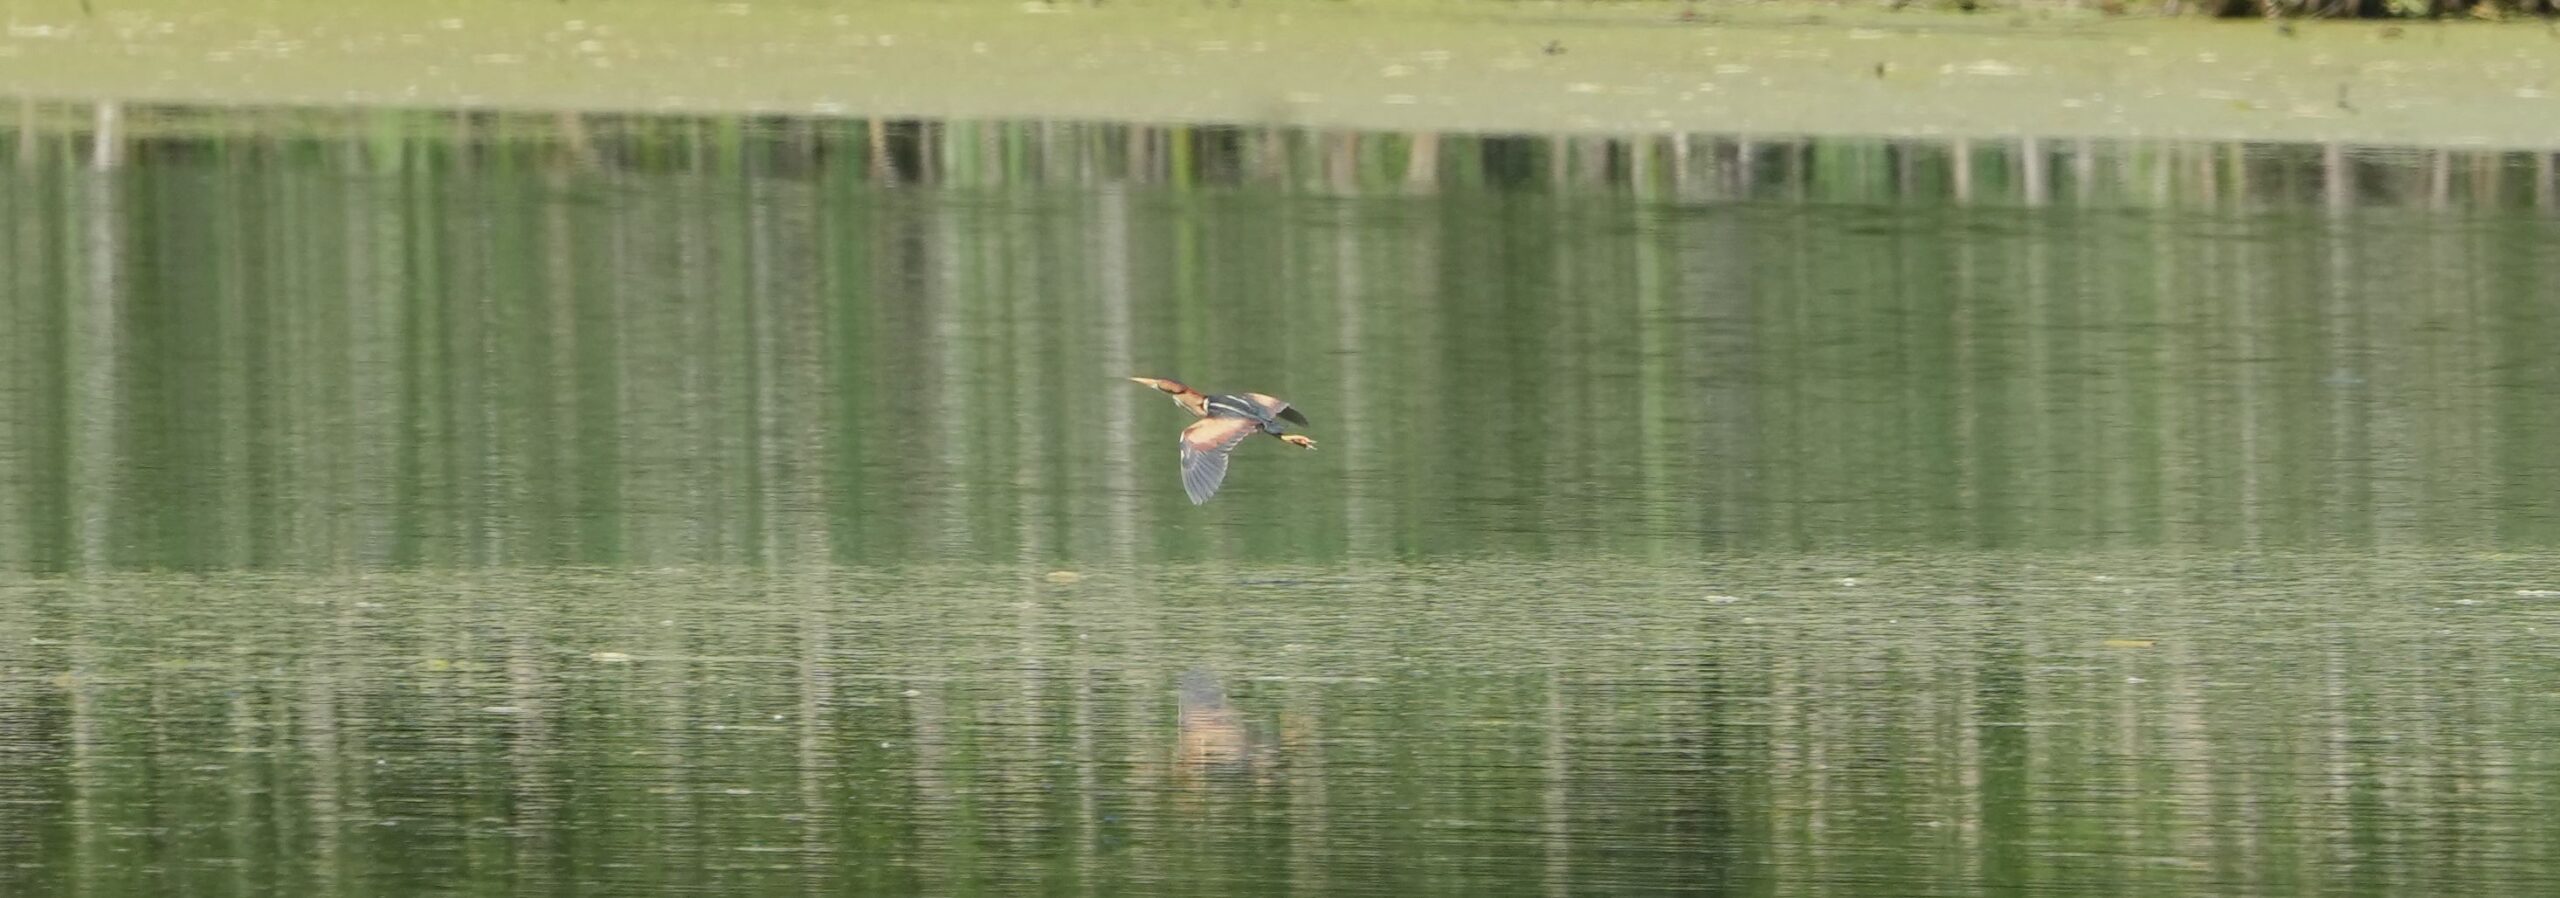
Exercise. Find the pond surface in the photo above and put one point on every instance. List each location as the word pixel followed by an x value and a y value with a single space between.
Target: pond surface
pixel 423 503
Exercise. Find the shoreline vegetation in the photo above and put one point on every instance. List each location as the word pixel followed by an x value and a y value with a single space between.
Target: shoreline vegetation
pixel 2044 70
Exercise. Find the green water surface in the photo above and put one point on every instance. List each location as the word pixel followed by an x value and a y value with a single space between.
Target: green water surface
pixel 408 503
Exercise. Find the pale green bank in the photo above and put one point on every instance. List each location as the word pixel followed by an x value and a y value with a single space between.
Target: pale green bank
pixel 1436 65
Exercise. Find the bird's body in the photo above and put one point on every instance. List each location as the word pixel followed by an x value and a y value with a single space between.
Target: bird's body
pixel 1226 419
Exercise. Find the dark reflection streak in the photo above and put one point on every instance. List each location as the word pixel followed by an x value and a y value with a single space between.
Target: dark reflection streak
pixel 28 136
pixel 2546 180
pixel 2238 166
pixel 43 531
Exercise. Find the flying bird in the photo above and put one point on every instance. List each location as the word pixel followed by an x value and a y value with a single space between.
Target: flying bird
pixel 1226 419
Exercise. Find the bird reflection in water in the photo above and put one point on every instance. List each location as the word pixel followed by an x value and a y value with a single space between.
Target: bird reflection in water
pixel 1213 742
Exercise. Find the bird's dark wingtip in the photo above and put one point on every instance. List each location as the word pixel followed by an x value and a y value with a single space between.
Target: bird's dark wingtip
pixel 1294 416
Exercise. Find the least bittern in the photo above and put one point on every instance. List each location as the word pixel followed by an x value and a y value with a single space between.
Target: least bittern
pixel 1226 419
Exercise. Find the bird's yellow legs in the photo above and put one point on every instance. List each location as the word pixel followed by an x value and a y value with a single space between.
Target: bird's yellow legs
pixel 1299 440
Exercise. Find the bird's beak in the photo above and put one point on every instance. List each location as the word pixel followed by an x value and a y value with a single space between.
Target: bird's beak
pixel 1152 382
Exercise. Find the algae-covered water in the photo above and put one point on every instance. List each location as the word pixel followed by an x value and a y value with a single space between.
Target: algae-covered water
pixel 1406 65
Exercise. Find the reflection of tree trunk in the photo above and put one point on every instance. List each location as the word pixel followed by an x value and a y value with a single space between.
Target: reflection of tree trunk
pixel 2543 180
pixel 316 718
pixel 1350 335
pixel 2163 157
pixel 2247 266
pixel 1960 160
pixel 1555 827
pixel 2031 164
pixel 534 811
pixel 813 750
pixel 937 872
pixel 27 141
pixel 106 143
pixel 876 142
pixel 2346 501
pixel 1310 841
pixel 1559 157
pixel 1654 333
pixel 2235 158
pixel 2208 182
pixel 97 455
pixel 770 448
pixel 1422 163
pixel 2334 179
pixel 2439 179
pixel 2005 767
pixel 1744 152
pixel 1342 162
pixel 1110 249
pixel 86 752
pixel 2485 179
pixel 1088 767
pixel 948 245
pixel 1682 184
pixel 2084 170
pixel 574 139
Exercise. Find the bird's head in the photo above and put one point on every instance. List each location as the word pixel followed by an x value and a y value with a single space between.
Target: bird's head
pixel 1186 397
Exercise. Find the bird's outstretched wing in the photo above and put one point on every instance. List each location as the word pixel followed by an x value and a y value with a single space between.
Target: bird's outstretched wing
pixel 1276 406
pixel 1204 453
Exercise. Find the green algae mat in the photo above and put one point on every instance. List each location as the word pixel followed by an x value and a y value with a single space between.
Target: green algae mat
pixel 1408 65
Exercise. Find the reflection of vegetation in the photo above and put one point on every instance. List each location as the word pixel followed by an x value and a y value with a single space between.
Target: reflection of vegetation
pixel 1960 719
pixel 756 343
pixel 966 154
